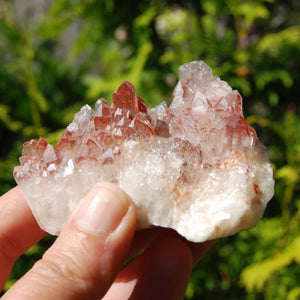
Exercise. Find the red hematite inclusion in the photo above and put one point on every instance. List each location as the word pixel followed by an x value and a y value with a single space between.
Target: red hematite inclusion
pixel 126 118
pixel 102 131
pixel 195 166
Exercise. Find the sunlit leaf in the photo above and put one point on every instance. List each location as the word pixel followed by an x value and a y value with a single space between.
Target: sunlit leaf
pixel 287 173
pixel 255 276
pixel 274 43
pixel 294 294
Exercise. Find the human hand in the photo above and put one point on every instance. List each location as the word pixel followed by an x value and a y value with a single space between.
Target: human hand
pixel 86 259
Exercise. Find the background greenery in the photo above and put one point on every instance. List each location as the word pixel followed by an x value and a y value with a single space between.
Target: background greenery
pixel 56 56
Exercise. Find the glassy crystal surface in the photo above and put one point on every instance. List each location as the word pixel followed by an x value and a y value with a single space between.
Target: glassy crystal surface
pixel 196 166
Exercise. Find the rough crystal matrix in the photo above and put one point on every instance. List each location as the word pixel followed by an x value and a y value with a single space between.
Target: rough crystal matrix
pixel 195 166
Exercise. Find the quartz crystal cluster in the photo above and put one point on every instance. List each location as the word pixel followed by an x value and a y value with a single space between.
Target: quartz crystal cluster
pixel 196 166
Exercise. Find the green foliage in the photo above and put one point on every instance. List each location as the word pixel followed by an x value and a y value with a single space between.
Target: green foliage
pixel 261 275
pixel 98 85
pixel 256 275
pixel 276 43
pixel 274 257
pixel 53 62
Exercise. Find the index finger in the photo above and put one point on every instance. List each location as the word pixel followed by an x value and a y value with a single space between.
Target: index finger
pixel 18 230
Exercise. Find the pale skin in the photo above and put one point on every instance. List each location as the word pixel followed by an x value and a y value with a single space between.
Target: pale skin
pixel 86 260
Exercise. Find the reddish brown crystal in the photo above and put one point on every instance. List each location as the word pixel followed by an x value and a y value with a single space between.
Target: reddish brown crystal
pixel 125 97
pixel 103 115
pixel 92 134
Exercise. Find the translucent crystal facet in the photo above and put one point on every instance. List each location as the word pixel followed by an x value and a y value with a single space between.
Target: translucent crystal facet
pixel 195 166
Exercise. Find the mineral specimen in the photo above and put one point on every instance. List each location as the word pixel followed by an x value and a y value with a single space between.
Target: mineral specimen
pixel 195 166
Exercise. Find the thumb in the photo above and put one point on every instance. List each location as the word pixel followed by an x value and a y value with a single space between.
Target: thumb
pixel 85 258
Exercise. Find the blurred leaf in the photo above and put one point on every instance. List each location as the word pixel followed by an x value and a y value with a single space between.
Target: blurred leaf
pixel 274 43
pixel 252 11
pixel 287 173
pixel 261 121
pixel 86 38
pixel 100 85
pixel 35 94
pixel 254 276
pixel 33 250
pixel 265 77
pixel 6 119
pixel 61 14
pixel 9 283
pixel 294 294
pixel 9 31
pixel 144 19
pixel 273 99
pixel 242 84
pixel 167 57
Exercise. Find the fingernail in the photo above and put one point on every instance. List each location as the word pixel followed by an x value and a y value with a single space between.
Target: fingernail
pixel 102 210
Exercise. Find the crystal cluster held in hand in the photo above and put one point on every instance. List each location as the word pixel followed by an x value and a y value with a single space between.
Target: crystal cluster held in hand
pixel 196 166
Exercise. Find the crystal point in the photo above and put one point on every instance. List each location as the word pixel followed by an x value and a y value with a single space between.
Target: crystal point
pixel 196 166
